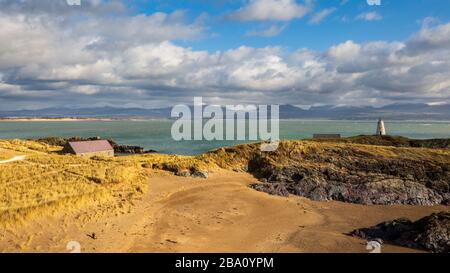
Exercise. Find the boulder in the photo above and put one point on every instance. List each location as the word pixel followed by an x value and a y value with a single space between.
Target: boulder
pixel 183 173
pixel 431 233
pixel 200 174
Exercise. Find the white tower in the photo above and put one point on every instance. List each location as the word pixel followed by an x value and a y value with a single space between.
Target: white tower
pixel 381 130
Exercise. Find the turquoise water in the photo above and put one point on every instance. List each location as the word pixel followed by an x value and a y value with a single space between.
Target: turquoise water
pixel 156 134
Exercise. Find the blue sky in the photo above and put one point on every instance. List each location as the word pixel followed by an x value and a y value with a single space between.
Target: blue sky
pixel 399 20
pixel 156 53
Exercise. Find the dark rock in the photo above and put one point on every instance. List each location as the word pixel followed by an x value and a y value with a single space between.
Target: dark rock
pixel 352 175
pixel 431 233
pixel 200 174
pixel 395 141
pixel 125 149
pixel 190 173
pixel 273 188
pixel 183 173
pixel 147 166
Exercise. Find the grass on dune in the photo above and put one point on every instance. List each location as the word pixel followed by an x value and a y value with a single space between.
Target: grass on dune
pixel 26 146
pixel 237 157
pixel 6 154
pixel 171 163
pixel 46 182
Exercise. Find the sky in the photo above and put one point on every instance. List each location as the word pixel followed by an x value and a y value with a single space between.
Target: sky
pixel 158 53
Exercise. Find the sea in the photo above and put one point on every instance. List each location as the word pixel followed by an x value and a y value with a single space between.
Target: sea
pixel 156 134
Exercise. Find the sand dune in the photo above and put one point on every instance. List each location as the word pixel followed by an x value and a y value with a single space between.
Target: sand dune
pixel 219 214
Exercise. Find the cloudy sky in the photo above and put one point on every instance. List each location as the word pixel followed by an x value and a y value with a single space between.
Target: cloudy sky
pixel 155 53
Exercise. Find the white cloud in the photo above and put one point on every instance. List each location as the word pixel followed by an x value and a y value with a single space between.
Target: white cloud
pixel 345 51
pixel 369 16
pixel 321 15
pixel 428 22
pixel 46 62
pixel 272 31
pixel 431 38
pixel 270 10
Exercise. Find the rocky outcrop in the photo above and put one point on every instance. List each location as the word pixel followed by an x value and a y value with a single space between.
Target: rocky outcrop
pixel 119 149
pixel 354 186
pixel 358 180
pixel 347 172
pixel 195 174
pixel 395 141
pixel 431 233
pixel 127 149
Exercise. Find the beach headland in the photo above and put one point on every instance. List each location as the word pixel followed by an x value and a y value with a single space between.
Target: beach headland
pixel 319 193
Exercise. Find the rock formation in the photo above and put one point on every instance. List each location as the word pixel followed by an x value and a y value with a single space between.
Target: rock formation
pixel 346 172
pixel 431 233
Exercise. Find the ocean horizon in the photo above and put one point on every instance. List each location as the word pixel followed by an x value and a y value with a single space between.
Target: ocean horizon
pixel 155 134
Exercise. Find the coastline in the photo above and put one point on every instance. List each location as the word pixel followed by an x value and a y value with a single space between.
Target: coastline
pixel 76 119
pixel 53 119
pixel 131 118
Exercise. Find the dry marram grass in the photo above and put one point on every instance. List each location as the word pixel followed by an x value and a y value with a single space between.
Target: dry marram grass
pixel 47 182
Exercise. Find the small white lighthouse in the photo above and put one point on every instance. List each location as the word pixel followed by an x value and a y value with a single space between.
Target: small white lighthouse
pixel 381 130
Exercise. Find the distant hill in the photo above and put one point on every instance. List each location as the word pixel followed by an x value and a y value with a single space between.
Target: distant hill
pixel 392 112
pixel 102 112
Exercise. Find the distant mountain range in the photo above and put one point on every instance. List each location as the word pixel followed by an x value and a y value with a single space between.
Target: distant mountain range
pixel 392 112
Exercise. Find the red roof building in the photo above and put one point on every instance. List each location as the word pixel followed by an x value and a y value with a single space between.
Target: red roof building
pixel 89 148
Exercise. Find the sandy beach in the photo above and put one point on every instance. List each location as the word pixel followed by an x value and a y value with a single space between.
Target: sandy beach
pixel 220 214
